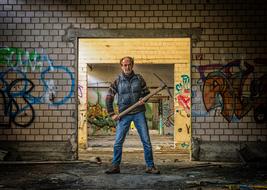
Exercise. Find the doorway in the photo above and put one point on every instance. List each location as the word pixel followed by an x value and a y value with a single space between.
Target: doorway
pixel 98 66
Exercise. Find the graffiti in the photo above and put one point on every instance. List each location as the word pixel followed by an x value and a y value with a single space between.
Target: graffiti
pixel 169 122
pixel 224 89
pixel 18 58
pixel 198 108
pixel 183 94
pixel 12 108
pixel 186 82
pixel 204 68
pixel 51 93
pixel 80 91
pixel 187 128
pixel 185 145
pixel 167 113
pixel 184 101
pixel 185 85
pixel 97 115
pixel 19 95
pixel 45 81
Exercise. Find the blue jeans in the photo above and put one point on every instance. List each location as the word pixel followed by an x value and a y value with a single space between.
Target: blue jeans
pixel 123 126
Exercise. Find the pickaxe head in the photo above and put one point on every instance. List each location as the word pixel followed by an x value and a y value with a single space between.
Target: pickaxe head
pixel 164 85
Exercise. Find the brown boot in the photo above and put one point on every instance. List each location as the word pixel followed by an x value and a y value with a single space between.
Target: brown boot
pixel 152 170
pixel 113 170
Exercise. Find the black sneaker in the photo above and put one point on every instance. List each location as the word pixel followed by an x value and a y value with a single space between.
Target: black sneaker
pixel 152 170
pixel 113 170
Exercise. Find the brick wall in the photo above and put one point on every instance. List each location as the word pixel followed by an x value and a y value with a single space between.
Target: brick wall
pixel 231 54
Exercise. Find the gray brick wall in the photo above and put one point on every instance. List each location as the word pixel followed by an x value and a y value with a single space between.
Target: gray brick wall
pixel 32 31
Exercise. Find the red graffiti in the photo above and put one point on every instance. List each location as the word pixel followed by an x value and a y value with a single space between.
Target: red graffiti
pixel 184 101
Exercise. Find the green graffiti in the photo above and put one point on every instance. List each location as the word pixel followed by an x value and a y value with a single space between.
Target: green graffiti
pixel 16 57
pixel 184 85
pixel 7 56
pixel 186 81
pixel 184 145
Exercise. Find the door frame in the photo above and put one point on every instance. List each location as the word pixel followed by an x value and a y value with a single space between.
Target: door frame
pixel 72 35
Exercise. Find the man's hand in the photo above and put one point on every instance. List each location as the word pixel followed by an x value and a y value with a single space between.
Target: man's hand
pixel 115 117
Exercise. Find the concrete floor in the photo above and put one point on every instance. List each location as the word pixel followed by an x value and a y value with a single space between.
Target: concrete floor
pixel 177 172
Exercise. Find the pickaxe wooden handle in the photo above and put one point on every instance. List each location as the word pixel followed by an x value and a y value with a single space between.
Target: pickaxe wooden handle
pixel 157 90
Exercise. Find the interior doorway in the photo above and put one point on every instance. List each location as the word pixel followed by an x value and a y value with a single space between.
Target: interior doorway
pixel 159 109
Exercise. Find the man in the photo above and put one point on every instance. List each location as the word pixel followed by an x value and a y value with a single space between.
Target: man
pixel 130 88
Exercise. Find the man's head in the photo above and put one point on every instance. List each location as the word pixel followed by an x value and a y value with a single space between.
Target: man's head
pixel 127 65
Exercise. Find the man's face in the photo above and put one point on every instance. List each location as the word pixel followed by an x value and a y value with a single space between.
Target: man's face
pixel 126 66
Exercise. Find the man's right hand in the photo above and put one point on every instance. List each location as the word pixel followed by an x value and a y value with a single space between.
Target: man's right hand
pixel 115 117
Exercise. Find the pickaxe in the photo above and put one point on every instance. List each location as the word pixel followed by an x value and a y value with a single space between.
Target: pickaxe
pixel 157 90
